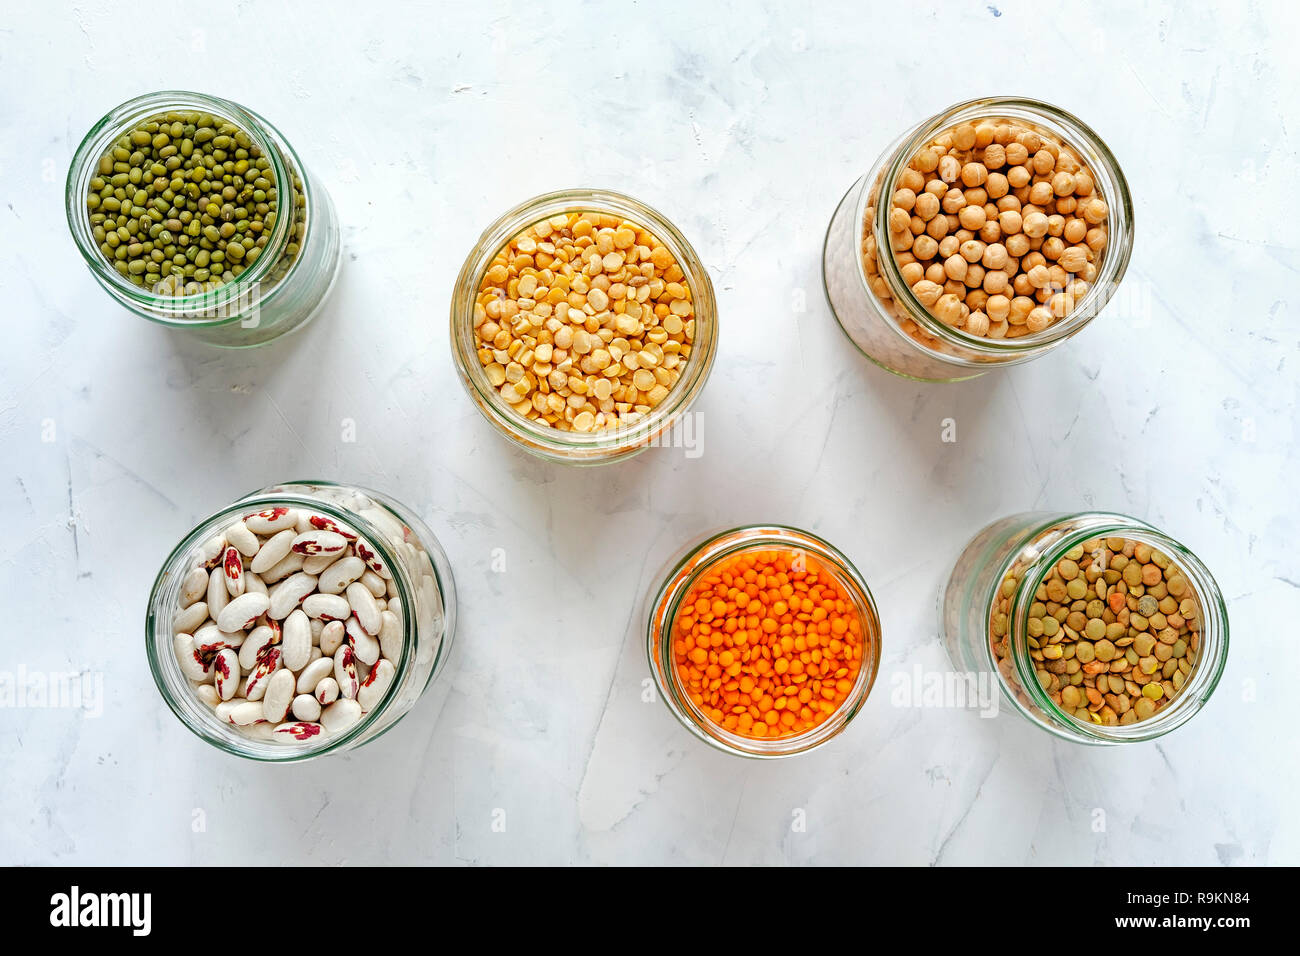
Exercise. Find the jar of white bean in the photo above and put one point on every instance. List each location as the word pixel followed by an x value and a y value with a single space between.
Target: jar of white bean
pixel 984 236
pixel 1094 626
pixel 583 326
pixel 304 619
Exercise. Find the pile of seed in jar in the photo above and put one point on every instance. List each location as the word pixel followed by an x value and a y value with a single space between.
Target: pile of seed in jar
pixel 288 625
pixel 584 322
pixel 185 202
pixel 996 228
pixel 1113 630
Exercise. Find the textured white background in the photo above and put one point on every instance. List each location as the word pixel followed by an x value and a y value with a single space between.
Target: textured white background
pixel 744 124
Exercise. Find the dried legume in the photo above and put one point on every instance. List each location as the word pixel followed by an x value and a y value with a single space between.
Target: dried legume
pixel 768 643
pixel 1114 630
pixel 185 202
pixel 997 229
pixel 584 322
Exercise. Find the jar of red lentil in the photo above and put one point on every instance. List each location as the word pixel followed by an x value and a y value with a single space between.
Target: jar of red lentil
pixel 573 334
pixel 1097 627
pixel 943 289
pixel 764 641
pixel 275 286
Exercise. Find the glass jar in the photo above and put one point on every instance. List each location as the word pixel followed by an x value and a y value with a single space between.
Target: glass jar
pixel 879 312
pixel 544 441
pixel 1020 550
pixel 421 586
pixel 283 288
pixel 680 576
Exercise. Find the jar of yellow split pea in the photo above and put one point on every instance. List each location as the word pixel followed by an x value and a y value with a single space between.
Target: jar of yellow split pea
pixel 984 236
pixel 1098 628
pixel 583 326
pixel 764 641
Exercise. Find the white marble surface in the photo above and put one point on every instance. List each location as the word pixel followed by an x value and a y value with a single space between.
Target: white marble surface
pixel 744 124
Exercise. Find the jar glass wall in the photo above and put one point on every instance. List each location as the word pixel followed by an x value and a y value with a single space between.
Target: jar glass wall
pixel 282 289
pixel 994 593
pixel 682 574
pixel 421 592
pixel 539 438
pixel 873 302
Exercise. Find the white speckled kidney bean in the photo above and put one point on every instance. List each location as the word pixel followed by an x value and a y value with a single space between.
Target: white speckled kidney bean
pixel 275 550
pixel 299 730
pixel 327 691
pixel 226 673
pixel 313 674
pixel 374 583
pixel 192 664
pixel 319 542
pixel 242 611
pixel 195 585
pixel 267 663
pixel 331 636
pixel 340 715
pixel 243 539
pixel 290 593
pixel 209 639
pixel 247 712
pixel 209 552
pixel 272 520
pixel 316 563
pixel 376 684
pixel 364 608
pixel 309 521
pixel 341 572
pixel 296 640
pixel 254 582
pixel 207 694
pixel 218 596
pixel 365 646
pixel 279 695
pixel 189 619
pixel 232 564
pixel 390 636
pixel 345 671
pixel 258 638
pixel 366 552
pixel 327 607
pixel 306 707
pixel 291 564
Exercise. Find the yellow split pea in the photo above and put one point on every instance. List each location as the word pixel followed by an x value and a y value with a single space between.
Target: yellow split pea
pixel 584 322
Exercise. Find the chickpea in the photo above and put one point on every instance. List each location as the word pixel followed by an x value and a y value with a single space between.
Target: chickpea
pixel 1035 225
pixel 927 206
pixel 972 250
pixel 1063 184
pixel 1040 194
pixel 995 256
pixel 904 199
pixel 1073 259
pixel 1018 244
pixel 998 307
pixel 1044 162
pixel 949 169
pixel 1038 319
pixel 972 217
pixel 948 309
pixel 926 160
pixel 1095 212
pixel 995 282
pixel 927 292
pixel 997 186
pixel 977 323
pixel 974 174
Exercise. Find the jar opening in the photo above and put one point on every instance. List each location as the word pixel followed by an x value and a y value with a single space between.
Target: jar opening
pixel 696 565
pixel 659 419
pixel 235 300
pixel 1211 656
pixel 177 690
pixel 1057 123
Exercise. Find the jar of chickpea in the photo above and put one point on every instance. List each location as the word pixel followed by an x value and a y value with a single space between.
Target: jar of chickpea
pixel 986 235
pixel 1096 626
pixel 583 326
pixel 764 641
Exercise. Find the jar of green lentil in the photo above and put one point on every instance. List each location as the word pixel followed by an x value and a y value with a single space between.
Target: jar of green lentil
pixel 196 213
pixel 1096 626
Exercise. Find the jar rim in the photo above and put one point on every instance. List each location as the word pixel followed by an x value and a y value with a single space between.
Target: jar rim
pixel 224 302
pixel 1212 655
pixel 1110 180
pixel 158 623
pixel 696 561
pixel 606 444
